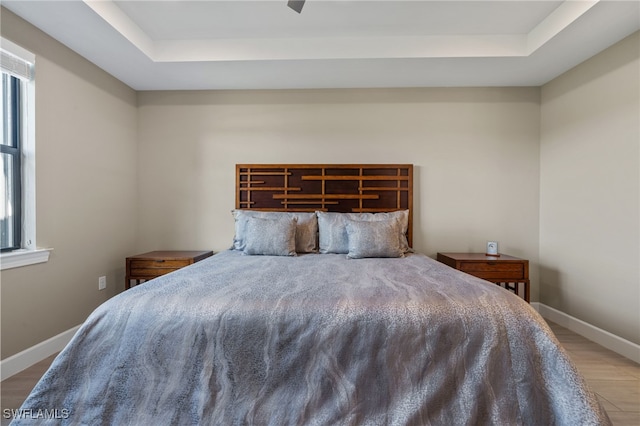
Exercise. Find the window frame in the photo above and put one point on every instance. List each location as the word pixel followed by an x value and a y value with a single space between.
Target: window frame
pixel 20 63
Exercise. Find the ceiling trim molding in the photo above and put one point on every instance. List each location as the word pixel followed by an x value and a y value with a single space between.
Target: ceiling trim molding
pixel 119 21
pixel 566 14
pixel 340 48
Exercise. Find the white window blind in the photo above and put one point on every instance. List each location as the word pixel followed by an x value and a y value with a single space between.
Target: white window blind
pixel 16 61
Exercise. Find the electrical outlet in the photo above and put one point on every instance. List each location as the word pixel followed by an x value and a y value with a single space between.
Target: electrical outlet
pixel 102 283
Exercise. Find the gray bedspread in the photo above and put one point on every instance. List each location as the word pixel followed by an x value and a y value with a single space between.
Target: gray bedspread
pixel 314 340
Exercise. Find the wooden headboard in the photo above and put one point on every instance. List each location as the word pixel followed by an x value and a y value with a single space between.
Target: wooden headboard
pixel 326 187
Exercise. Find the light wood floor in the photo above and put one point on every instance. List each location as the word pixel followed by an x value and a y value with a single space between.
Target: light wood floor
pixel 614 378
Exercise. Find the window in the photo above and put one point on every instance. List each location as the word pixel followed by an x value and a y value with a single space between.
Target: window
pixel 10 149
pixel 17 155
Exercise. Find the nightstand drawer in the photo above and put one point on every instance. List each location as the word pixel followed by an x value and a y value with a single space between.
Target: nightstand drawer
pixel 151 268
pixel 493 270
pixel 145 264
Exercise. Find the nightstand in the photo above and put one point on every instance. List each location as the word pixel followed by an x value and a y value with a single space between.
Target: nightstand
pixel 156 263
pixel 504 270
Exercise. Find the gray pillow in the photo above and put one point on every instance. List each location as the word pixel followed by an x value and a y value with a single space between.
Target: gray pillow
pixel 374 238
pixel 270 237
pixel 306 228
pixel 333 232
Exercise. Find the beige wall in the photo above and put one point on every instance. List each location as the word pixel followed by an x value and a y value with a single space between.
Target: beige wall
pixel 589 191
pixel 475 150
pixel 86 131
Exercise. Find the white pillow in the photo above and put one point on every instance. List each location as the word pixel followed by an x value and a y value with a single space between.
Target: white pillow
pixel 306 228
pixel 333 232
pixel 374 238
pixel 270 237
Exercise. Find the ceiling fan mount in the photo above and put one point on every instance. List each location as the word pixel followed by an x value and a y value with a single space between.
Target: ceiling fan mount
pixel 296 5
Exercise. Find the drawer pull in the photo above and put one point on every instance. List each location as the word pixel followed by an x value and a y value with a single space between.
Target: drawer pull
pixel 159 260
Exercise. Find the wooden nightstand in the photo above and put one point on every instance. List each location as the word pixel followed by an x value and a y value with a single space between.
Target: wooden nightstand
pixel 507 271
pixel 156 263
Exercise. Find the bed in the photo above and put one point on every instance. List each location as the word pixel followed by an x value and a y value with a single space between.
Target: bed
pixel 277 331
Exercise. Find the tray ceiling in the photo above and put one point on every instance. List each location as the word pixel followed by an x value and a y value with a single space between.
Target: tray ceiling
pixel 170 45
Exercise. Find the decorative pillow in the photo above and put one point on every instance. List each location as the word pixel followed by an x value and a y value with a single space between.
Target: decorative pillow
pixel 333 232
pixel 270 237
pixel 306 229
pixel 374 238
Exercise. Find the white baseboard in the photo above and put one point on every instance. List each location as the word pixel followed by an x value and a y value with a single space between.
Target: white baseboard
pixel 604 338
pixel 25 359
